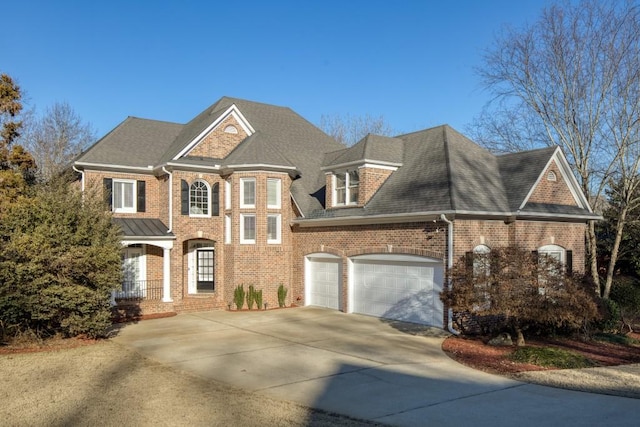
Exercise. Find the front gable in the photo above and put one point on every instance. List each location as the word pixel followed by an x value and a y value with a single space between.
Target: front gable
pixel 556 185
pixel 221 137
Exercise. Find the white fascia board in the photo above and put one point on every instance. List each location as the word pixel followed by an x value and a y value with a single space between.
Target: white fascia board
pixel 181 166
pixel 258 166
pixel 543 215
pixel 567 175
pixel 371 219
pixel 115 168
pixel 571 180
pixel 231 111
pixel 297 205
pixel 363 163
pixel 161 242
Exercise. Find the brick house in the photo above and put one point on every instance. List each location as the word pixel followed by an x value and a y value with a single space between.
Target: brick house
pixel 249 193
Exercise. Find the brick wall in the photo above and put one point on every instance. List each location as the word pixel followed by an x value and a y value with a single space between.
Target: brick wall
pixel 556 192
pixel 217 144
pixel 527 234
pixel 371 179
pixel 155 192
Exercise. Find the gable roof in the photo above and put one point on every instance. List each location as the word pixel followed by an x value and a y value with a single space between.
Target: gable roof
pixel 521 170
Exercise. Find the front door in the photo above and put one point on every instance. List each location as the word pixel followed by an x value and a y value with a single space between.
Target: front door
pixel 205 268
pixel 201 267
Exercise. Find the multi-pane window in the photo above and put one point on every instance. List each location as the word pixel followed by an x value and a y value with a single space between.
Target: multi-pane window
pixel 199 198
pixel 273 193
pixel 346 188
pixel 227 194
pixel 124 196
pixel 247 193
pixel 227 229
pixel 354 184
pixel 273 228
pixel 247 228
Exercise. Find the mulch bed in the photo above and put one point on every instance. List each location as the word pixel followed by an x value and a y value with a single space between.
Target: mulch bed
pixel 474 352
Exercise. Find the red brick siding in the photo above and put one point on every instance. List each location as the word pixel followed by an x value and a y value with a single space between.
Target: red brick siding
pixel 217 144
pixel 556 192
pixel 371 179
pixel 155 192
pixel 526 234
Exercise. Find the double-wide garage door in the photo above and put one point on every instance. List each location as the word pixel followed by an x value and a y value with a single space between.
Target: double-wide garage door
pixel 397 287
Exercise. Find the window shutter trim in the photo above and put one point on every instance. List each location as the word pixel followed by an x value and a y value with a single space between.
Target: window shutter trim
pixel 141 196
pixel 215 200
pixel 107 184
pixel 184 197
pixel 569 262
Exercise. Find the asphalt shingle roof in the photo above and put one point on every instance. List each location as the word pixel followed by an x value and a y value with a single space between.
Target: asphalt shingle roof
pixel 134 143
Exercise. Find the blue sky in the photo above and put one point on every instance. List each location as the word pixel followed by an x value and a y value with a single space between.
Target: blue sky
pixel 409 61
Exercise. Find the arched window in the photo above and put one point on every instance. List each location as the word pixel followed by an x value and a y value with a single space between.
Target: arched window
pixel 558 253
pixel 481 261
pixel 199 199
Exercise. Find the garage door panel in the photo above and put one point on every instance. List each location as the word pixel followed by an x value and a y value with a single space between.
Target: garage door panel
pixel 398 290
pixel 324 287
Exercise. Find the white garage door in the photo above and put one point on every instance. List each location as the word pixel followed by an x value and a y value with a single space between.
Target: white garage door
pixel 323 282
pixel 399 287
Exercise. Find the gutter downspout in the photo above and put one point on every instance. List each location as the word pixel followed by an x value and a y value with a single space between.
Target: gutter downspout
pixel 81 172
pixel 443 217
pixel 164 169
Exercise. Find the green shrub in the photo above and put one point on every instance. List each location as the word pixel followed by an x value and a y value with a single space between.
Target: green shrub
pixel 238 296
pixel 609 316
pixel 257 296
pixel 282 295
pixel 616 339
pixel 551 358
pixel 59 262
pixel 251 297
pixel 626 293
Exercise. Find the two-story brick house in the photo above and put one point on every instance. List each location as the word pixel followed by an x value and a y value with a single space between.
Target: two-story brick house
pixel 249 193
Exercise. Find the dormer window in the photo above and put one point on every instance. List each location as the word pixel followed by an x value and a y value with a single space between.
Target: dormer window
pixel 346 188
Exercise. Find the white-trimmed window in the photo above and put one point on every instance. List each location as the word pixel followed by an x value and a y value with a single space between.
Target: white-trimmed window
pixel 199 200
pixel 227 229
pixel 274 189
pixel 346 187
pixel 247 192
pixel 481 261
pixel 124 195
pixel 274 229
pixel 553 251
pixel 227 194
pixel 247 228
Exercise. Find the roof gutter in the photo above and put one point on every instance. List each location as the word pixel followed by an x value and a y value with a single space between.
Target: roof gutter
pixel 443 217
pixel 170 198
pixel 81 172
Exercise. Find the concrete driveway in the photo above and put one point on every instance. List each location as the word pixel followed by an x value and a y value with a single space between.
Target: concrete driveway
pixel 360 366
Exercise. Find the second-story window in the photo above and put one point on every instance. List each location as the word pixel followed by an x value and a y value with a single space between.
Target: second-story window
pixel 125 195
pixel 346 188
pixel 247 192
pixel 273 193
pixel 199 199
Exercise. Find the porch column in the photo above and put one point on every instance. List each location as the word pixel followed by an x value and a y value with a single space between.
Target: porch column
pixel 166 275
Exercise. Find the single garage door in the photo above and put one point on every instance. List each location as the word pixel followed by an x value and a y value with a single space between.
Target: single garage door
pixel 323 281
pixel 399 287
